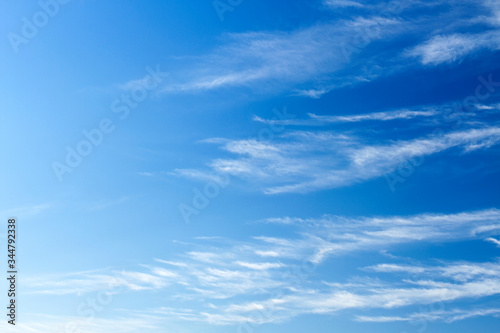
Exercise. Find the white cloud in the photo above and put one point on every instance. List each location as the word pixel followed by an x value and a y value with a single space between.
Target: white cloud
pixel 259 266
pixel 458 271
pixel 383 116
pixel 173 263
pixel 392 268
pixel 311 61
pixel 438 315
pixel 494 241
pixel 309 161
pixel 450 48
pixel 333 301
pixel 343 3
pixel 267 253
pixel 380 319
pixel 201 176
pixel 324 237
pixel 335 236
pixel 312 93
pixel 280 60
pixel 107 280
pixel 163 272
pixel 316 120
pixel 232 281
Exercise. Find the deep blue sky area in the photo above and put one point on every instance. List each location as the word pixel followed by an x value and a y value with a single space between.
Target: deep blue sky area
pixel 251 166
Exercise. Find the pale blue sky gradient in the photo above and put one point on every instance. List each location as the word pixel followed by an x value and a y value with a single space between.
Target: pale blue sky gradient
pixel 299 165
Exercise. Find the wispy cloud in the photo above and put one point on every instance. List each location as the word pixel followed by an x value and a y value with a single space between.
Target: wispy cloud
pixel 455 47
pixel 458 271
pixel 274 58
pixel 433 113
pixel 494 241
pixel 200 175
pixel 311 61
pixel 343 3
pixel 337 235
pixel 335 300
pixel 440 315
pixel 90 281
pixel 382 116
pixel 231 281
pixel 361 295
pixel 316 120
pixel 325 237
pixel 285 60
pixel 308 161
pixel 450 47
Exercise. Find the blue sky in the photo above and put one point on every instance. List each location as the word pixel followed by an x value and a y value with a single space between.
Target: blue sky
pixel 246 166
